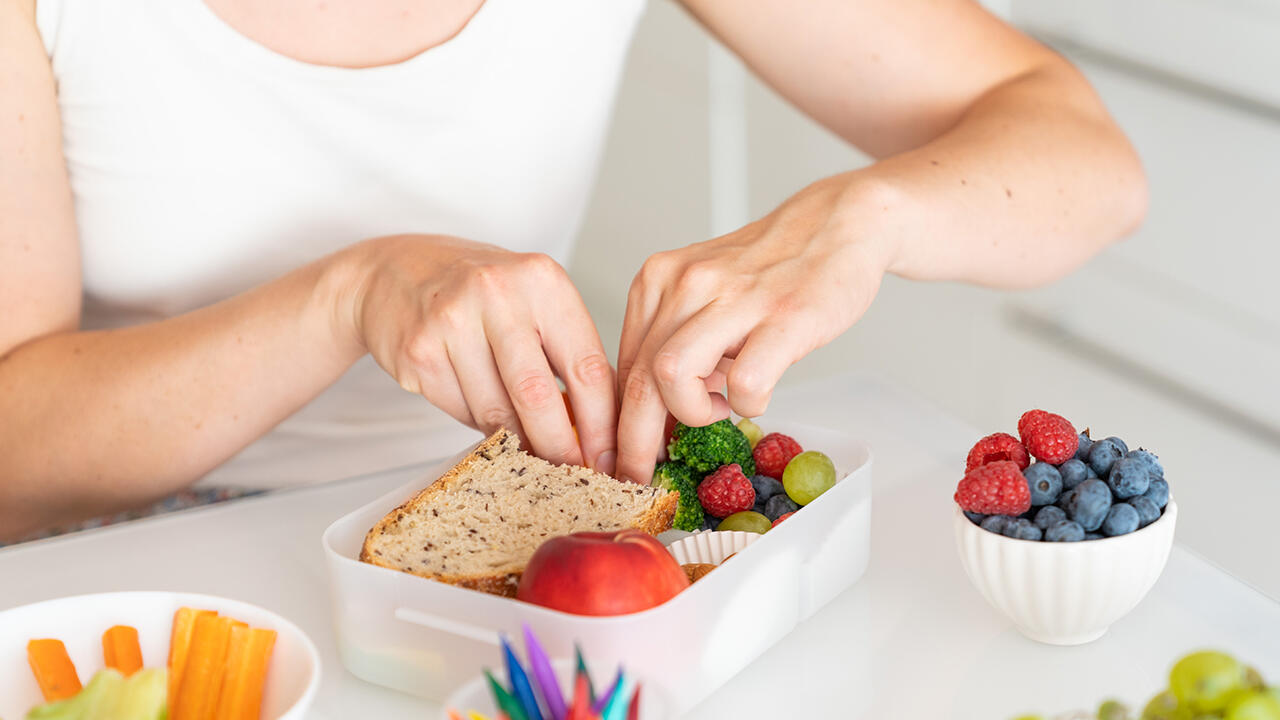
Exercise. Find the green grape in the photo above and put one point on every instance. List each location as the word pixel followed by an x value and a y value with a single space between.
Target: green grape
pixel 1112 710
pixel 1254 705
pixel 1161 707
pixel 747 521
pixel 808 475
pixel 751 430
pixel 1205 681
pixel 1253 679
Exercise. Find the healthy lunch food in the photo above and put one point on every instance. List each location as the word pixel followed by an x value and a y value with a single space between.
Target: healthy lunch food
pixel 480 523
pixel 1077 488
pixel 1205 685
pixel 736 477
pixel 216 670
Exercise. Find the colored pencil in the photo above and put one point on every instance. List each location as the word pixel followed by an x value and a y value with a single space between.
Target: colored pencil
pixel 544 676
pixel 505 700
pixel 520 683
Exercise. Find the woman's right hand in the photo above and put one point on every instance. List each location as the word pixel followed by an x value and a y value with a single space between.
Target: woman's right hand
pixel 483 333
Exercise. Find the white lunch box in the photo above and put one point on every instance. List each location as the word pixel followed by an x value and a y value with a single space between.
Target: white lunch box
pixel 428 638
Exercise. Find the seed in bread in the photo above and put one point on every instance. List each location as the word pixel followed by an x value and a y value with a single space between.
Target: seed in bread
pixel 478 525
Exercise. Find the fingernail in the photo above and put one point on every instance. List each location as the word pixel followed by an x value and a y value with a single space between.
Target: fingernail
pixel 606 462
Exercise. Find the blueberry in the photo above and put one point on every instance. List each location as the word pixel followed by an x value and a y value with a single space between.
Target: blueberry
pixel 759 506
pixel 1122 518
pixel 1048 516
pixel 1064 500
pixel 1065 531
pixel 1093 536
pixel 1128 478
pixel 766 487
pixel 711 523
pixel 1158 492
pixel 1021 529
pixel 1073 473
pixel 1090 473
pixel 1045 482
pixel 996 523
pixel 1103 455
pixel 1148 511
pixel 1089 504
pixel 1124 448
pixel 1149 460
pixel 1086 442
pixel 975 518
pixel 779 505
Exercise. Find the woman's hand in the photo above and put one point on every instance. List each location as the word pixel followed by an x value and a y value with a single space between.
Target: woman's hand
pixel 483 333
pixel 740 308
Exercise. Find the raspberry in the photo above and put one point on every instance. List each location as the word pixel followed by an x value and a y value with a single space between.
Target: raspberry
pixel 1050 438
pixel 726 491
pixel 996 488
pixel 1000 446
pixel 781 518
pixel 773 452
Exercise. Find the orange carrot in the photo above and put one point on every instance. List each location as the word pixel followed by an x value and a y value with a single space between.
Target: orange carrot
pixel 120 649
pixel 197 697
pixel 53 669
pixel 248 656
pixel 184 622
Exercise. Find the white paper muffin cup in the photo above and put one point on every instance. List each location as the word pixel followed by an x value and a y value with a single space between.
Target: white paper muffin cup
pixel 710 547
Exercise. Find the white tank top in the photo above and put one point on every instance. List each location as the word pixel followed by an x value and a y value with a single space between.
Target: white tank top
pixel 203 164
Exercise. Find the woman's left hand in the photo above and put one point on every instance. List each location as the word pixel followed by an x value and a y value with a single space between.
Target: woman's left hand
pixel 736 311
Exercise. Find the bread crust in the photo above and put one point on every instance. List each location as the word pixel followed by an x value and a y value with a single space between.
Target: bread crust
pixel 656 519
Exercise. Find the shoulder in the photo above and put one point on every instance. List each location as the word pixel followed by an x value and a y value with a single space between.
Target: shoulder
pixel 26 8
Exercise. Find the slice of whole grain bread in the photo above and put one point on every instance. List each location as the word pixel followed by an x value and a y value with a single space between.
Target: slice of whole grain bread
pixel 478 525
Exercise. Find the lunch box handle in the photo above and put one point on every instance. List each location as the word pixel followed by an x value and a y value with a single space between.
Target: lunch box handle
pixel 453 627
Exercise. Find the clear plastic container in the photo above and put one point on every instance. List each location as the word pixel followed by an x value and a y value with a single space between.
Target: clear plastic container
pixel 428 638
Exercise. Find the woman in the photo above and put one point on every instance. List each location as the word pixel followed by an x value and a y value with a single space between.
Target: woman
pixel 212 210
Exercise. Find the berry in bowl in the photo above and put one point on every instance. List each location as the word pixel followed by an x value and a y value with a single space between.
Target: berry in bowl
pixel 1068 544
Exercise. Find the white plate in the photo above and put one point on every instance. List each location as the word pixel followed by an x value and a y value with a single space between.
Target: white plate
pixel 79 622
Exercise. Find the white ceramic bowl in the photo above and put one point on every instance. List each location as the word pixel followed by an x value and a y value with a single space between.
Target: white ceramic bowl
pixel 1065 593
pixel 79 621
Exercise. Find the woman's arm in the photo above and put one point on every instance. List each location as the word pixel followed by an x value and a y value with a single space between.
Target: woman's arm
pixel 999 166
pixel 95 421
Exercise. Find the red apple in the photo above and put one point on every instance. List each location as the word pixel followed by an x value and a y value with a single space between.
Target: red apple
pixel 601 573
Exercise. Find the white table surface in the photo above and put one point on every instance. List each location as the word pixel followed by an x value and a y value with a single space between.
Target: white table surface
pixel 911 640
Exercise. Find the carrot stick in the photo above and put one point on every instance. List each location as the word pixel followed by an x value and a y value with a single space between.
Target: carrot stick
pixel 248 656
pixel 53 669
pixel 197 697
pixel 120 649
pixel 184 622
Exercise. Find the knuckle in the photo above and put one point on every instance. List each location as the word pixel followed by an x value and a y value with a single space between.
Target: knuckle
pixel 535 391
pixel 420 351
pixel 492 418
pixel 541 265
pixel 639 386
pixel 698 278
pixel 747 384
pixel 593 369
pixel 667 367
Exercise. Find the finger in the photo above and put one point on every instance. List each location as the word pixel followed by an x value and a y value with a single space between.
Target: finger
pixel 425 370
pixel 768 352
pixel 643 415
pixel 532 387
pixel 640 425
pixel 481 385
pixel 643 301
pixel 573 346
pixel 691 355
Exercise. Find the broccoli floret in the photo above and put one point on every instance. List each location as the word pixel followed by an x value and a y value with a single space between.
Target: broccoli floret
pixel 677 477
pixel 704 449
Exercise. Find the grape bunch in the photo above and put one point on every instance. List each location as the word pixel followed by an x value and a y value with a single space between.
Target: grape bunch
pixel 1205 685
